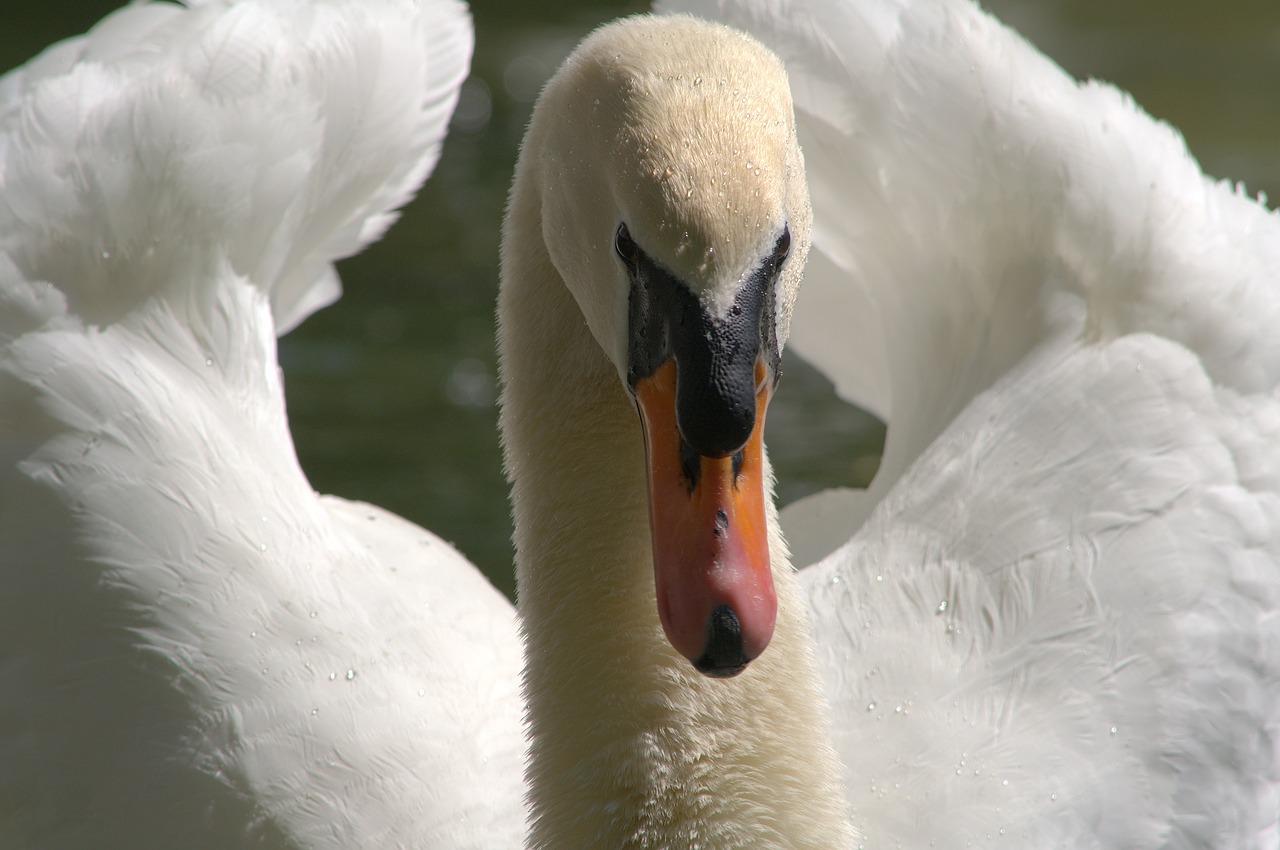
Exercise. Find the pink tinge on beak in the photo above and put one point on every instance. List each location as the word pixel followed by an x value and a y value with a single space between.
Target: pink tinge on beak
pixel 710 538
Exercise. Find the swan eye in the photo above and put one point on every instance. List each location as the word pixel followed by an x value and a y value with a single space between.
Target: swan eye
pixel 782 247
pixel 626 247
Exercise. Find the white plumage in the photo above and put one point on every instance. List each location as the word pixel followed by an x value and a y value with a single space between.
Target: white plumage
pixel 1050 622
pixel 1059 620
pixel 195 648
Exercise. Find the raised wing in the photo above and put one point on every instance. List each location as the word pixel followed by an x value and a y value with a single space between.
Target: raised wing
pixel 193 644
pixel 1061 621
pixel 1057 624
pixel 960 179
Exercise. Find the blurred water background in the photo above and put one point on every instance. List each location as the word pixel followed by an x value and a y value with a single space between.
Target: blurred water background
pixel 391 391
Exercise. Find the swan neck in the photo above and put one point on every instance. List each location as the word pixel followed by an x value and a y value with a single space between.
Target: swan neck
pixel 630 747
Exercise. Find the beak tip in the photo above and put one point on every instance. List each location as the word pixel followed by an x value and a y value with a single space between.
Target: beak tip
pixel 725 654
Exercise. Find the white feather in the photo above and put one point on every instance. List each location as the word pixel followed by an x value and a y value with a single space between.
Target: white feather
pixel 1056 622
pixel 1051 621
pixel 193 644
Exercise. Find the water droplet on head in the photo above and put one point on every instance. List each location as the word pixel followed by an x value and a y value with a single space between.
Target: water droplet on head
pixel 351 674
pixel 942 606
pixel 871 706
pixel 697 81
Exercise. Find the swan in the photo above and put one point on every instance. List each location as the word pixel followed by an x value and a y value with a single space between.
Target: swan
pixel 1051 621
pixel 196 649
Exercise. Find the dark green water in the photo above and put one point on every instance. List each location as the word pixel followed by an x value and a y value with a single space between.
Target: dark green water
pixel 391 391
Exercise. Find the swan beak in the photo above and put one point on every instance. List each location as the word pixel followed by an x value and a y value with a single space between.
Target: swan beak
pixel 710 538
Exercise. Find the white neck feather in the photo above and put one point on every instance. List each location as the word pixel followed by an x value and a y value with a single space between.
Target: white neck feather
pixel 630 746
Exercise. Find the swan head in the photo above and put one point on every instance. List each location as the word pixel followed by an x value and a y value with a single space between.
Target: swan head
pixel 675 209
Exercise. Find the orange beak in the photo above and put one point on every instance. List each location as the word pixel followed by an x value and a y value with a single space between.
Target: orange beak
pixel 710 539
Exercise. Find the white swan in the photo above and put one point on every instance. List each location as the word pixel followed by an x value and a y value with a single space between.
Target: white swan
pixel 195 648
pixel 1078 631
pixel 1057 625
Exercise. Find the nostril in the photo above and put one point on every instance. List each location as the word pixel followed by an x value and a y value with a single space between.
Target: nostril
pixel 725 655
